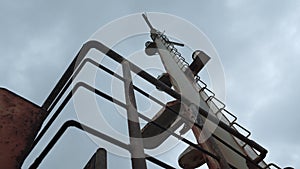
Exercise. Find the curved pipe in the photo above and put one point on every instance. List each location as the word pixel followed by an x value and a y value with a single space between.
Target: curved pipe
pixel 98 92
pixel 115 56
pixel 72 123
pixel 118 58
pixel 91 89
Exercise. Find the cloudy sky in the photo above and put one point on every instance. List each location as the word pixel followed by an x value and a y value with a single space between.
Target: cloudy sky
pixel 258 44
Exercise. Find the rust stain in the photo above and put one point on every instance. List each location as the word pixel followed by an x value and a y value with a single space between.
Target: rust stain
pixel 20 120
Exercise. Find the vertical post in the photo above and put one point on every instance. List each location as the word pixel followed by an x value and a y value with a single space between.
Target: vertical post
pixel 136 142
pixel 98 160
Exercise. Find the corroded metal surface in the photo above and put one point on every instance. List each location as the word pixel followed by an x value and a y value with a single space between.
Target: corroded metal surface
pixel 191 158
pixel 20 121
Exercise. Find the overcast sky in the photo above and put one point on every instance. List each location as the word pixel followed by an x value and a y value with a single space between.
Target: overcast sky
pixel 258 44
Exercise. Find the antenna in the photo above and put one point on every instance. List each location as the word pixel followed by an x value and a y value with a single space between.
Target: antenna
pixel 147 21
pixel 154 31
pixel 229 138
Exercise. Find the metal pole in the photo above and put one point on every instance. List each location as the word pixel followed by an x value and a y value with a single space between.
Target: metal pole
pixel 136 142
pixel 98 160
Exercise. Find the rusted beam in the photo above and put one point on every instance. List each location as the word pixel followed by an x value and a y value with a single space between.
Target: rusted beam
pixel 209 145
pixel 20 120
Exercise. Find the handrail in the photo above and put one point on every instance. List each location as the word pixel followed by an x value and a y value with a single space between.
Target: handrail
pixel 86 60
pixel 83 127
pixel 272 164
pixel 86 86
pixel 68 73
pixel 115 56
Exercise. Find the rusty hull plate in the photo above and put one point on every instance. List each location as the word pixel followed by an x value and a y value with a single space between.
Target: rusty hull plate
pixel 20 120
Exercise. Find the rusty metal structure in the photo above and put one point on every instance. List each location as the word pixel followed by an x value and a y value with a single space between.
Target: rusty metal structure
pixel 228 148
pixel 20 121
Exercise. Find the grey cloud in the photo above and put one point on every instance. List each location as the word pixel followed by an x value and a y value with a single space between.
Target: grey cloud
pixel 258 44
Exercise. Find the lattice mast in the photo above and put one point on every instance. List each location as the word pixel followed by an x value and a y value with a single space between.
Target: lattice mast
pixel 228 147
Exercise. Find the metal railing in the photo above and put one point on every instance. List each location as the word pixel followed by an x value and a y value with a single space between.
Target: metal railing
pixel 78 63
